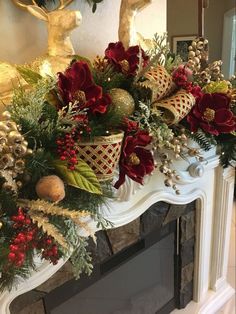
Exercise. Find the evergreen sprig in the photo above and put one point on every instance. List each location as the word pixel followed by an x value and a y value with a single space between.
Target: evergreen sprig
pixel 227 147
pixel 203 141
pixel 109 78
pixel 81 259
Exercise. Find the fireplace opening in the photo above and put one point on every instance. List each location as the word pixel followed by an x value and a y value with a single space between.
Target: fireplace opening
pixel 143 267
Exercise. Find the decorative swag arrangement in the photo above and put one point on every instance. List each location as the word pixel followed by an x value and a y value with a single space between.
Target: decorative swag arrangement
pixel 62 139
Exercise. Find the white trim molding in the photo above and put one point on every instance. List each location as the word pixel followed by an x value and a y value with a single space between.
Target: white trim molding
pixel 213 192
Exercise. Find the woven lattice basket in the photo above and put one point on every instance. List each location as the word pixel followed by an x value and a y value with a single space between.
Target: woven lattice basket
pixel 102 155
pixel 176 107
pixel 159 81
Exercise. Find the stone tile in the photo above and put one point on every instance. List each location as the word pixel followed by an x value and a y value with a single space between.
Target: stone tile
pixel 25 300
pixel 153 218
pixel 186 275
pixel 175 211
pixel 124 236
pixel 63 275
pixel 100 250
pixel 35 308
pixel 187 226
pixel 186 295
pixel 190 207
pixel 187 252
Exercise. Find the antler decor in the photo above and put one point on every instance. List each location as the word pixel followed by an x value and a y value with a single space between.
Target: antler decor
pixel 60 24
pixel 128 11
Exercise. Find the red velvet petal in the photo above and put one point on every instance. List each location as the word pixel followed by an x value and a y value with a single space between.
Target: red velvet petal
pixel 226 128
pixel 194 123
pixel 93 92
pixel 209 128
pixel 220 101
pixel 205 102
pixel 143 138
pixel 115 52
pixel 222 116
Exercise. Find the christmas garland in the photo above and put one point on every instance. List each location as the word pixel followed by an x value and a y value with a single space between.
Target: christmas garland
pixel 63 137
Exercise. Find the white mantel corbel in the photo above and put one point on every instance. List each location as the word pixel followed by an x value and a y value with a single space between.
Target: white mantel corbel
pixel 213 192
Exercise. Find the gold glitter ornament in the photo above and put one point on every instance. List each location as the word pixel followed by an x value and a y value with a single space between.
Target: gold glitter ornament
pixel 122 101
pixel 1 224
pixel 13 149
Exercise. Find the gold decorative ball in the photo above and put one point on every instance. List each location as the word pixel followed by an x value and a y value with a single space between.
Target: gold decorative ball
pixel 1 224
pixel 122 101
pixel 6 115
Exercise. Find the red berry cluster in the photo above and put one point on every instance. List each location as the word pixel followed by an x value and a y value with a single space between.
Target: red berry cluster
pixel 50 250
pixel 181 77
pixel 67 150
pixel 29 238
pixel 24 240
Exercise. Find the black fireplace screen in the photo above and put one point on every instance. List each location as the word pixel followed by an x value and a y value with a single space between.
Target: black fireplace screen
pixel 146 277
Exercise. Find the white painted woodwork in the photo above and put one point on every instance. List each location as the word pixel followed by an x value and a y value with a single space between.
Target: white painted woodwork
pixel 213 192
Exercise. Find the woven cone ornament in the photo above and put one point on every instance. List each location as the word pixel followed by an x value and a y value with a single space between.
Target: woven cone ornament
pixel 159 81
pixel 176 107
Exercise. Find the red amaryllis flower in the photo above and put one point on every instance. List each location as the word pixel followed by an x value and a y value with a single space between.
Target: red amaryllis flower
pixel 125 61
pixel 100 105
pixel 76 84
pixel 130 126
pixel 212 114
pixel 136 161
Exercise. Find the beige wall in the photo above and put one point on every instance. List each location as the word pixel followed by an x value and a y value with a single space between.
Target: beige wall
pixel 214 19
pixel 182 19
pixel 23 37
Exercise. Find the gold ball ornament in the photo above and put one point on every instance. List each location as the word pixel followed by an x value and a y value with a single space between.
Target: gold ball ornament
pixel 50 188
pixel 13 149
pixel 122 101
pixel 1 224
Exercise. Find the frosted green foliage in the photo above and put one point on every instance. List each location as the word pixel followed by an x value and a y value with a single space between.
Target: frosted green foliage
pixel 151 121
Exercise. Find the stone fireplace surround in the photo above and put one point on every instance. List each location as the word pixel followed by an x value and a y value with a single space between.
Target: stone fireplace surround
pixel 116 246
pixel 213 192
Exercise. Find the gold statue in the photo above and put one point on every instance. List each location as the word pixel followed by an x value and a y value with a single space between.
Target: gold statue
pixel 60 23
pixel 128 11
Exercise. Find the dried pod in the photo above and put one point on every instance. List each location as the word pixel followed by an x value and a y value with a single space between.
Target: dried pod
pixel 50 188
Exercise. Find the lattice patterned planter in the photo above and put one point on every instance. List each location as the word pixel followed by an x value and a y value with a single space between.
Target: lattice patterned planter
pixel 102 155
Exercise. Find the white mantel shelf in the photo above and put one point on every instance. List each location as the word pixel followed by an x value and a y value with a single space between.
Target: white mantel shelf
pixel 213 193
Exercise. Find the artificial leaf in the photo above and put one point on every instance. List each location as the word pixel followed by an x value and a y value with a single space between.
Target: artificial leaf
pixel 31 77
pixel 83 177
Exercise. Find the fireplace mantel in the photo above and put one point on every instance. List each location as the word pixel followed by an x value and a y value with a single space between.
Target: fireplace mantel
pixel 212 188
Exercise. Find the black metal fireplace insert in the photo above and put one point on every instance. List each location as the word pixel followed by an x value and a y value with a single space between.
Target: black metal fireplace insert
pixel 151 273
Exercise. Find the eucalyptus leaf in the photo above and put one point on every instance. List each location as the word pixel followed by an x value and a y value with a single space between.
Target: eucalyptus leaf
pixel 83 177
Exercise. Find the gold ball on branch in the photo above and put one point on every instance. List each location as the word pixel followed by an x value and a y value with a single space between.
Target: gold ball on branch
pixel 6 115
pixel 122 101
pixel 1 224
pixel 13 149
pixel 50 188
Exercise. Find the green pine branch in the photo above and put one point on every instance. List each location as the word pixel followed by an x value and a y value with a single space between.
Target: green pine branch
pixel 203 141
